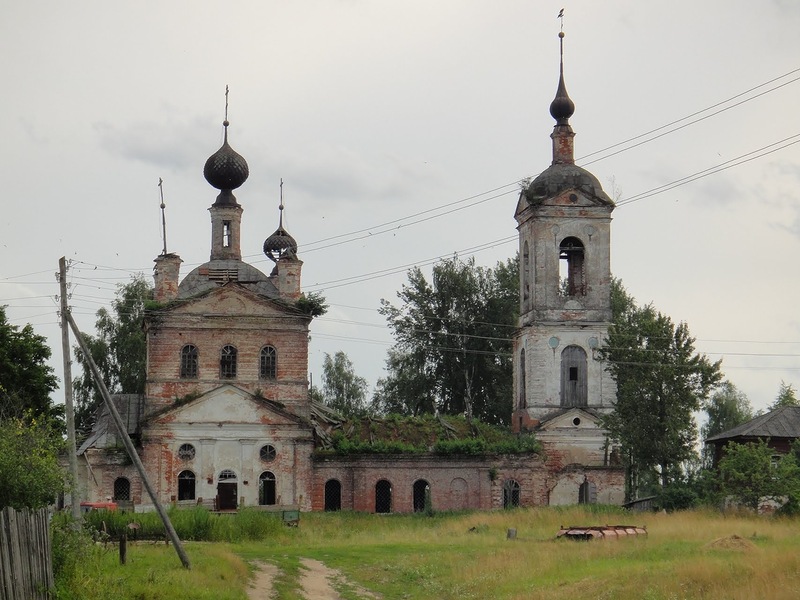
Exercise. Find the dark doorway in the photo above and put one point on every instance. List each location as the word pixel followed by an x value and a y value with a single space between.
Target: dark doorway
pixel 267 494
pixel 227 491
pixel 511 491
pixel 422 492
pixel 383 497
pixel 122 489
pixel 186 485
pixel 333 495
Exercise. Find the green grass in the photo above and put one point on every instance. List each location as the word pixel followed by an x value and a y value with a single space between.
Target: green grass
pixel 467 555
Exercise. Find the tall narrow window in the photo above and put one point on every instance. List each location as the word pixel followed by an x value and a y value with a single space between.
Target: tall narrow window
pixel 189 362
pixel 227 362
pixel 523 401
pixel 226 234
pixel 526 274
pixel 267 495
pixel 571 270
pixel 573 377
pixel 268 367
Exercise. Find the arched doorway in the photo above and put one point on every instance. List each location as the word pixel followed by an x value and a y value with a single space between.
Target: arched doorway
pixel 186 485
pixel 227 491
pixel 122 489
pixel 333 495
pixel 511 492
pixel 267 489
pixel 383 497
pixel 422 490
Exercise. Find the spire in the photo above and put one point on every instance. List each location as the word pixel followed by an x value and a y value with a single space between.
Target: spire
pixel 562 108
pixel 163 216
pixel 280 243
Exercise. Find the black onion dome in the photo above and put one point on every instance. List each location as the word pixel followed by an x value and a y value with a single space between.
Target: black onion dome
pixel 279 244
pixel 226 169
pixel 562 107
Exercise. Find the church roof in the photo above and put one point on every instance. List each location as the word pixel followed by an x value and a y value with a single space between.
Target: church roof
pixel 783 422
pixel 559 178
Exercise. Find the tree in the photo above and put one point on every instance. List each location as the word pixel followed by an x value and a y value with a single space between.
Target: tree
pixel 119 349
pixel 26 380
pixel 786 396
pixel 661 382
pixel 342 389
pixel 749 472
pixel 30 476
pixel 727 408
pixel 452 349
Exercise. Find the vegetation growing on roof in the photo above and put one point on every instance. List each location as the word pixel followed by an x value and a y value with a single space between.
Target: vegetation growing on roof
pixel 312 304
pixel 398 434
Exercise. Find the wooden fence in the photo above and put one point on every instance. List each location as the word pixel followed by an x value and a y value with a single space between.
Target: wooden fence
pixel 26 567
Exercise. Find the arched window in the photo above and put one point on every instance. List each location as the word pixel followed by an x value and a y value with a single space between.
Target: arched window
pixel 267 489
pixel 227 362
pixel 268 365
pixel 573 377
pixel 189 362
pixel 523 401
pixel 122 489
pixel 186 485
pixel 571 269
pixel 186 452
pixel 422 495
pixel 267 453
pixel 333 495
pixel 383 497
pixel 511 491
pixel 526 274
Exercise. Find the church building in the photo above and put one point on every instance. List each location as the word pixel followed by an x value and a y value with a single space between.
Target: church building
pixel 227 421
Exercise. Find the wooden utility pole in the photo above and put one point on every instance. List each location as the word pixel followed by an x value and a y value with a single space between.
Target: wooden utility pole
pixel 126 440
pixel 71 444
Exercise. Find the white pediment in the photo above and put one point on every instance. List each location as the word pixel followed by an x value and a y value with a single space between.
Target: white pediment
pixel 227 404
pixel 230 300
pixel 573 419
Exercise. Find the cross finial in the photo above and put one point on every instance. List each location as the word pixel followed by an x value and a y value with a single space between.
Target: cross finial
pixel 280 206
pixel 561 17
pixel 163 217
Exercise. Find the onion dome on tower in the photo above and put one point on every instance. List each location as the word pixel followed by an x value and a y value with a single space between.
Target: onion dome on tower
pixel 226 170
pixel 280 243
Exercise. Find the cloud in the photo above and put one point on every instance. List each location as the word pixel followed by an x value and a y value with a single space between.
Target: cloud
pixel 173 144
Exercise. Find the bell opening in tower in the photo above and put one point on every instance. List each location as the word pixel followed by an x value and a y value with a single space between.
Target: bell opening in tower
pixel 571 267
pixel 226 234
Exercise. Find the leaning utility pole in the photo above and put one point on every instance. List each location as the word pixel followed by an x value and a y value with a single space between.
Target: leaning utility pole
pixel 126 440
pixel 71 444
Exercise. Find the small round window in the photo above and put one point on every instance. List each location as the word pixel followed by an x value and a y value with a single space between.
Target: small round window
pixel 268 453
pixel 186 452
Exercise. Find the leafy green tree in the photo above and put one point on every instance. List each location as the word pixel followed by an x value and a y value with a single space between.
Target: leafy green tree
pixel 342 389
pixel 452 347
pixel 786 396
pixel 26 380
pixel 727 408
pixel 119 349
pixel 30 476
pixel 749 472
pixel 661 382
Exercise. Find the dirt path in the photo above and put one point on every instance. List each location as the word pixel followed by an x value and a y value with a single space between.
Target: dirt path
pixel 261 586
pixel 316 582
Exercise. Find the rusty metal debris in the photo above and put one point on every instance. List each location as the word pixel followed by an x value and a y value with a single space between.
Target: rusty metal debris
pixel 614 532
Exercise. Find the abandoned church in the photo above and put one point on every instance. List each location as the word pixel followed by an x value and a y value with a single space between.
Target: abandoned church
pixel 227 419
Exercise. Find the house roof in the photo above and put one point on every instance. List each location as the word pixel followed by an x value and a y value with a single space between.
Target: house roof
pixel 783 422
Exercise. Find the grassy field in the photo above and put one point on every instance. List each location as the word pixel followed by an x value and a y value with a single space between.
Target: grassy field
pixel 685 555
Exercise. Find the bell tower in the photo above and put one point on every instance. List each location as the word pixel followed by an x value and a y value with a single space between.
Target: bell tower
pixel 564 222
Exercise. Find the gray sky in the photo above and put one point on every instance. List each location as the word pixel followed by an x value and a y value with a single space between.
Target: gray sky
pixel 373 112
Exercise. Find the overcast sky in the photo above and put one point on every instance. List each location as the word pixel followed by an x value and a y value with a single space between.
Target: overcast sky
pixel 375 112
